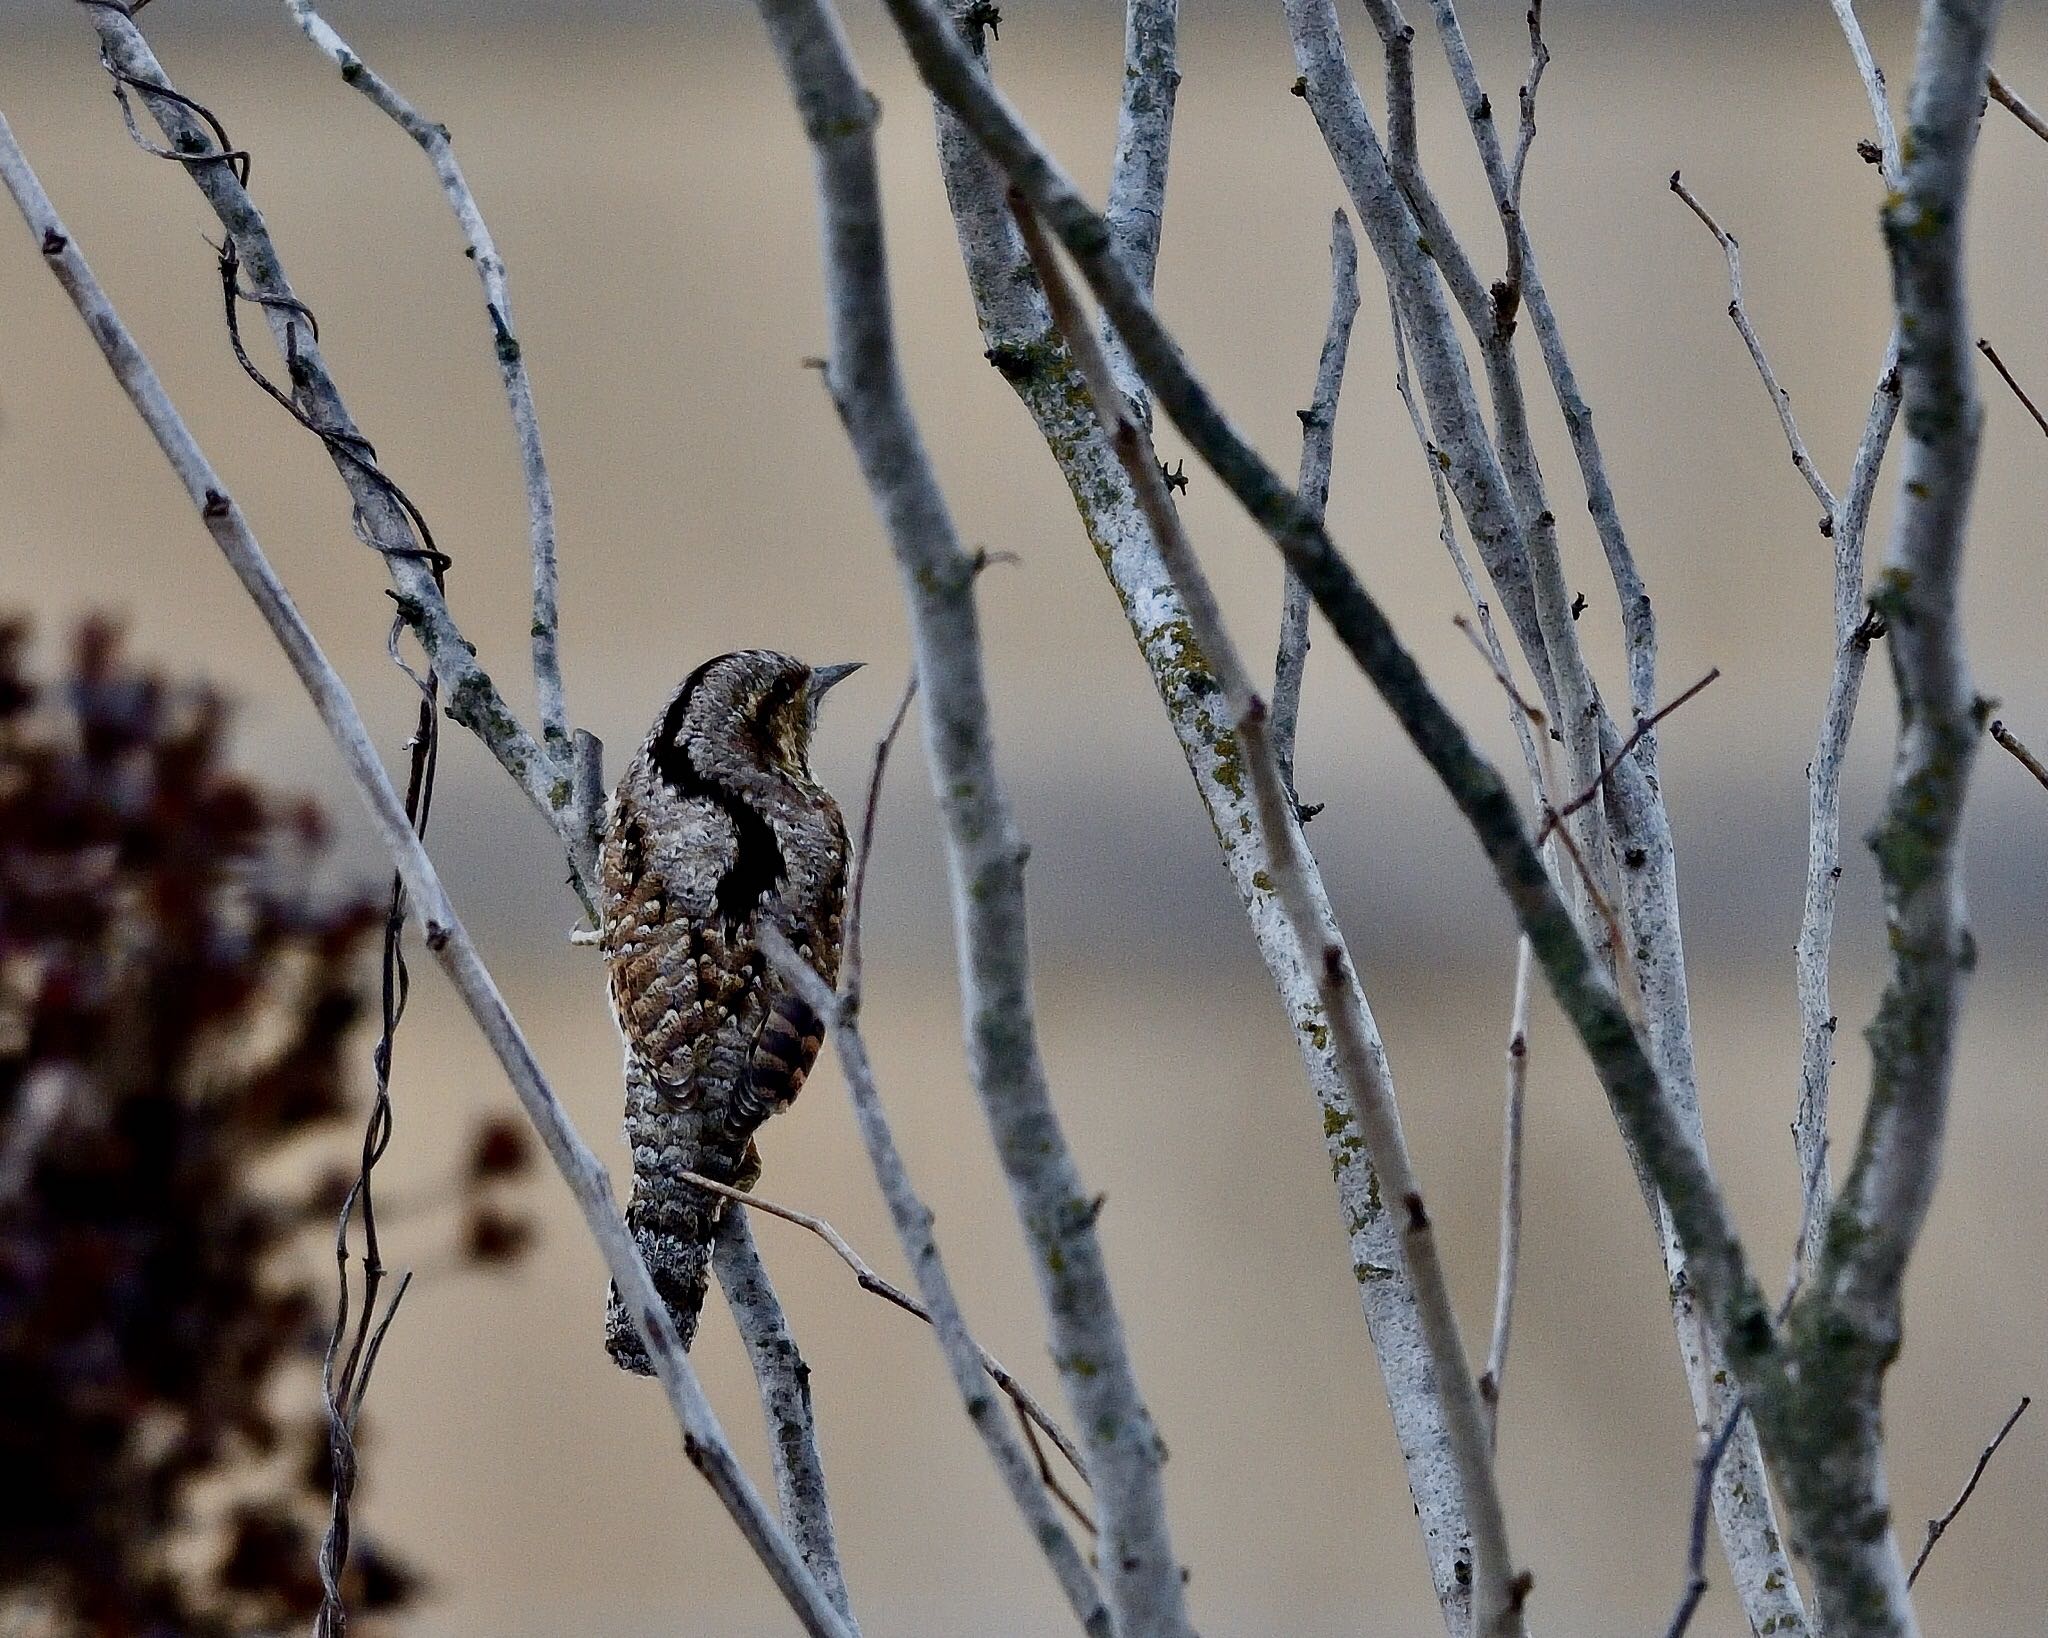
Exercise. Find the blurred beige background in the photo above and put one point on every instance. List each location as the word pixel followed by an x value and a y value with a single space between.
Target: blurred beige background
pixel 647 183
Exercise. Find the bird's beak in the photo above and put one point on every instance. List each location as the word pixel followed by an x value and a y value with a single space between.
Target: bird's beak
pixel 830 676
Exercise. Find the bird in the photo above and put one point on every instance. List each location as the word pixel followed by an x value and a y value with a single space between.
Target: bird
pixel 716 830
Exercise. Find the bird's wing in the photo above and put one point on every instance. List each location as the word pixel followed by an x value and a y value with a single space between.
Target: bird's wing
pixel 784 1051
pixel 674 977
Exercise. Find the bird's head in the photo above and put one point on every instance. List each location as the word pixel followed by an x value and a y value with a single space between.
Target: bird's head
pixel 754 700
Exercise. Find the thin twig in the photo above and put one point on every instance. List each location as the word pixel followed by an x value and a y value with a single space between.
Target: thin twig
pixel 850 961
pixel 1508 298
pixel 2006 97
pixel 1937 1528
pixel 1318 438
pixel 383 518
pixel 2006 376
pixel 1493 1380
pixel 1552 819
pixel 1696 1539
pixel 1781 400
pixel 1890 168
pixel 869 1281
pixel 1051 1480
pixel 433 140
pixel 2026 758
pixel 1855 628
pixel 704 1440
pixel 1539 732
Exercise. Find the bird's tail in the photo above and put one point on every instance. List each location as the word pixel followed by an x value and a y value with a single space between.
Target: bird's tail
pixel 674 1222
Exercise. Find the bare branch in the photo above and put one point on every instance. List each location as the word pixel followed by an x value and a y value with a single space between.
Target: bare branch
pixel 490 268
pixel 1854 631
pixel 1830 1412
pixel 1534 759
pixel 220 172
pixel 1525 139
pixel 1781 400
pixel 1023 343
pixel 2026 758
pixel 1318 437
pixel 703 1439
pixel 2008 378
pixel 1586 996
pixel 1136 210
pixel 967 1359
pixel 985 857
pixel 1916 842
pixel 1643 726
pixel 1937 1528
pixel 1499 1592
pixel 1493 1380
pixel 1889 167
pixel 868 1280
pixel 1709 1463
pixel 784 1381
pixel 2006 97
pixel 1539 731
pixel 1526 289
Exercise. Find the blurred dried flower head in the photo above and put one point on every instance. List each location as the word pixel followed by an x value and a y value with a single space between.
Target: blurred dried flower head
pixel 175 1009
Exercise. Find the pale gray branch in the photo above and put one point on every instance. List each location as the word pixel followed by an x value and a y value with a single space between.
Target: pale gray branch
pixel 1650 945
pixel 1136 211
pixel 433 140
pixel 704 1440
pixel 1024 345
pixel 1318 439
pixel 1781 400
pixel 970 1364
pixel 868 1280
pixel 1498 1591
pixel 1493 1380
pixel 471 697
pixel 985 856
pixel 2006 97
pixel 784 1381
pixel 1826 1425
pixel 1587 997
pixel 1889 166
pixel 1918 841
pixel 1854 631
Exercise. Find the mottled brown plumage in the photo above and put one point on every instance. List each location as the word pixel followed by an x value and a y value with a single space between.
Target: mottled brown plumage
pixel 716 827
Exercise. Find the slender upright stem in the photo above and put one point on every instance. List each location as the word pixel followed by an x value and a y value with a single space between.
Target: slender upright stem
pixel 1318 440
pixel 1499 1591
pixel 1026 347
pixel 482 249
pixel 1142 1577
